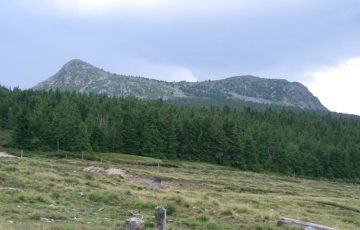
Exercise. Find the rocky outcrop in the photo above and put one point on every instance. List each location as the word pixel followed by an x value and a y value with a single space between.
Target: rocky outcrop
pixel 82 77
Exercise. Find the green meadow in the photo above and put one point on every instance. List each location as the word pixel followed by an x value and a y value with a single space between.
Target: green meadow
pixel 47 191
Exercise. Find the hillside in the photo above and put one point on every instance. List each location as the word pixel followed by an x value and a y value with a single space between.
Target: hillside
pixel 83 77
pixel 294 143
pixel 52 193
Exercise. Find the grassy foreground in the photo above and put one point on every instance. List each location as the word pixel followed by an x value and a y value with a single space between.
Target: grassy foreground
pixel 58 194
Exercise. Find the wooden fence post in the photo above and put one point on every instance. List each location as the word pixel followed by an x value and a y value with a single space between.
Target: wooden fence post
pixel 160 218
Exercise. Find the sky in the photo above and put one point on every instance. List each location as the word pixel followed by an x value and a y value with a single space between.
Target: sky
pixel 315 42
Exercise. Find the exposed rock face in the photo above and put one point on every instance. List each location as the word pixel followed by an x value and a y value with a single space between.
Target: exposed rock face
pixel 83 77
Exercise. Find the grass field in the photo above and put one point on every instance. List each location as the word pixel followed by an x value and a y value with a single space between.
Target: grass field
pixel 54 193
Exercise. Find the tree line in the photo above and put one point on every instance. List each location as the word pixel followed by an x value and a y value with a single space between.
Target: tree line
pixel 284 141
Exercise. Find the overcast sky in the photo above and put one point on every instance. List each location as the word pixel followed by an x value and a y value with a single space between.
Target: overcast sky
pixel 315 42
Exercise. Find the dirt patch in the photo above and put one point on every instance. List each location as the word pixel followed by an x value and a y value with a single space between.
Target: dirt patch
pixel 94 169
pixel 3 154
pixel 146 180
pixel 110 171
pixel 184 184
pixel 114 171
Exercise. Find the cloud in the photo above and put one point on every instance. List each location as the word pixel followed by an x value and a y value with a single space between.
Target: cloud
pixel 87 8
pixel 159 71
pixel 167 72
pixel 170 8
pixel 338 87
pixel 104 6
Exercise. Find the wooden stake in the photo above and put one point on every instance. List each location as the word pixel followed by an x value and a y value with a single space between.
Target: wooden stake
pixel 58 145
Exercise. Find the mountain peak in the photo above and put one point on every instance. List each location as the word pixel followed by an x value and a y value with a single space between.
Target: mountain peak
pixel 76 65
pixel 76 62
pixel 74 75
pixel 238 91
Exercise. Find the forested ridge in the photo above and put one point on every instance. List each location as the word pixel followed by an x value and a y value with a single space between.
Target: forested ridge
pixel 284 141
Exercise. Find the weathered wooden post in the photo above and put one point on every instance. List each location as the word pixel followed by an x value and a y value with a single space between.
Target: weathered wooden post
pixel 160 218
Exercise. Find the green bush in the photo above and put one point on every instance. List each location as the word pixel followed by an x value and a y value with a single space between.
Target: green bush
pixel 203 218
pixel 149 205
pixel 33 199
pixel 104 197
pixel 227 212
pixel 170 209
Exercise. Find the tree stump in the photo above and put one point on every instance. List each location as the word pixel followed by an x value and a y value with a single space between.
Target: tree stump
pixel 160 218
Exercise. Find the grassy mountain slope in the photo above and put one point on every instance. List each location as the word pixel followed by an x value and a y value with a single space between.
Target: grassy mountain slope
pixel 83 77
pixel 301 143
pixel 58 194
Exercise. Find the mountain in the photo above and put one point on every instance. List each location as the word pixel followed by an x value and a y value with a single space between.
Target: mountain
pixel 82 77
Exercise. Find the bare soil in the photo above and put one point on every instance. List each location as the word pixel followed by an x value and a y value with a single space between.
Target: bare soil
pixel 146 180
pixel 3 154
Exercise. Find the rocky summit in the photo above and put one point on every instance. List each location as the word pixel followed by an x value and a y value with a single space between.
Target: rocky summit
pixel 80 76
